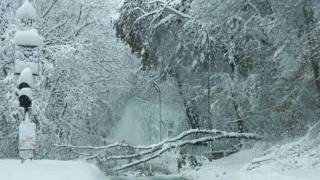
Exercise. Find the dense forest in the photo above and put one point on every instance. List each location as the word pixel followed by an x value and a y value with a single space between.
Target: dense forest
pixel 114 71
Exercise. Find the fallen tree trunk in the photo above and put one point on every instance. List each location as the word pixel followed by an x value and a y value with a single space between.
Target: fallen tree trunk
pixel 154 146
pixel 169 146
pixel 153 151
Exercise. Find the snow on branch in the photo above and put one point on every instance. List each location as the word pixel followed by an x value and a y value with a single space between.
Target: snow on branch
pixel 153 146
pixel 167 6
pixel 153 151
pixel 117 144
pixel 165 20
pixel 178 12
pixel 146 15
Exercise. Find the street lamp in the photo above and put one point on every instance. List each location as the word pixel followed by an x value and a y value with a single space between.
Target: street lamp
pixel 160 121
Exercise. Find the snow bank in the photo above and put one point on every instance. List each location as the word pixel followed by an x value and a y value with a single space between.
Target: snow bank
pixel 286 162
pixel 49 170
pixel 26 11
pixel 27 38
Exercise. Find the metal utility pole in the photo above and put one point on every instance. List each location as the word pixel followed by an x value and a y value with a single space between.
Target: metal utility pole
pixel 160 121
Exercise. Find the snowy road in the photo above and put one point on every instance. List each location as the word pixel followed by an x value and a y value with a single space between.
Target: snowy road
pixel 49 170
pixel 60 170
pixel 147 178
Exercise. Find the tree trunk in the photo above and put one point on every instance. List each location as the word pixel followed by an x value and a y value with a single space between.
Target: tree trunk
pixel 313 55
pixel 190 109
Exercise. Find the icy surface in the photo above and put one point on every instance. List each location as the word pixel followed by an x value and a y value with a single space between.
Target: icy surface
pixel 49 170
pixel 26 77
pixel 27 136
pixel 26 11
pixel 27 38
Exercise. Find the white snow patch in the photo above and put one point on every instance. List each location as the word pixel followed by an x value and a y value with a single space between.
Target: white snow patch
pixel 26 77
pixel 176 3
pixel 26 11
pixel 213 105
pixel 27 38
pixel 27 92
pixel 21 65
pixel 194 64
pixel 165 20
pixel 27 136
pixel 278 51
pixel 49 170
pixel 114 16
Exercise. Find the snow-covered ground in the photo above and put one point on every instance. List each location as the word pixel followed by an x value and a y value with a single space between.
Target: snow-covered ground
pixel 49 170
pixel 299 160
pixel 235 166
pixel 293 161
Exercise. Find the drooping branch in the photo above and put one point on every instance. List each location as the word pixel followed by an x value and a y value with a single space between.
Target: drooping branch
pixel 169 8
pixel 165 6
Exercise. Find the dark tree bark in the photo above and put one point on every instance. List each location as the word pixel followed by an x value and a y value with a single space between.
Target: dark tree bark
pixel 313 44
pixel 190 109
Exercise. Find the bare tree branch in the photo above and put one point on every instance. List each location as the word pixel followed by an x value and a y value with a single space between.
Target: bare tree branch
pixel 48 10
pixel 57 26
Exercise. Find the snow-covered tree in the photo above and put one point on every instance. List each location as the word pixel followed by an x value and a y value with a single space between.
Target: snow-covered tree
pixel 238 64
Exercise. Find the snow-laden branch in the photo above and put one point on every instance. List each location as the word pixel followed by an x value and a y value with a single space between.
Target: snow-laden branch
pixel 117 144
pixel 155 1
pixel 169 146
pixel 153 146
pixel 146 15
pixel 181 14
pixel 165 6
pixel 165 20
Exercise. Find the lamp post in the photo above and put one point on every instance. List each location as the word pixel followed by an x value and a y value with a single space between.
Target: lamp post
pixel 160 121
pixel 26 64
